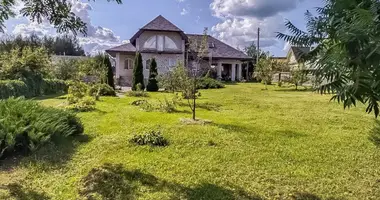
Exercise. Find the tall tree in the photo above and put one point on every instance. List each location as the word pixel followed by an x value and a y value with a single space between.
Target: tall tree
pixel 265 70
pixel 346 36
pixel 152 82
pixel 138 75
pixel 57 12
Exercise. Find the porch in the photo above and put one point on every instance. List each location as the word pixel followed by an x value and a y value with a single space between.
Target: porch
pixel 229 70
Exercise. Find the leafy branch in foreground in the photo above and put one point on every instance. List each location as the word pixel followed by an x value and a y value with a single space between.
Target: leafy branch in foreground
pixel 57 12
pixel 346 36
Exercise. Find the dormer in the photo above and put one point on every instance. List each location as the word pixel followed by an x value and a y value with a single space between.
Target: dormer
pixel 160 36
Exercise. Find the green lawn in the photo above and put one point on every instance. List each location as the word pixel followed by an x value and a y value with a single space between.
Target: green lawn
pixel 275 144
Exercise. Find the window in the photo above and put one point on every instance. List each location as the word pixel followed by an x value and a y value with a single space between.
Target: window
pixel 128 63
pixel 148 63
pixel 151 43
pixel 160 43
pixel 169 43
pixel 172 62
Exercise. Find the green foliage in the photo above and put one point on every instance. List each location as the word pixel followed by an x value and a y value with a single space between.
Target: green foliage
pixel 152 82
pixel 77 90
pixel 12 88
pixel 138 73
pixel 103 63
pixel 84 104
pixel 265 70
pixel 59 45
pixel 298 76
pixel 77 97
pixel 101 90
pixel 209 83
pixel 346 37
pixel 57 12
pixel 175 79
pixel 25 125
pixel 137 94
pixel 152 138
pixel 66 69
pixel 24 63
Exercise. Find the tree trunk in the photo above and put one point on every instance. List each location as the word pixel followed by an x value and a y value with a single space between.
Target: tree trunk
pixel 279 77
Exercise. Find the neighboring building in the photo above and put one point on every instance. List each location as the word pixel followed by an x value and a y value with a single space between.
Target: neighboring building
pixel 280 59
pixel 162 40
pixel 295 55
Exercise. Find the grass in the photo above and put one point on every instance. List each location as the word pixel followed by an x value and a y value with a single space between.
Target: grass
pixel 274 144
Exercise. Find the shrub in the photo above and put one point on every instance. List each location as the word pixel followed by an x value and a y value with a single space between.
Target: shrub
pixel 101 90
pixel 25 125
pixel 138 76
pixel 10 88
pixel 78 99
pixel 209 83
pixel 77 90
pixel 168 106
pixel 85 104
pixel 152 138
pixel 138 92
pixel 54 86
pixel 152 82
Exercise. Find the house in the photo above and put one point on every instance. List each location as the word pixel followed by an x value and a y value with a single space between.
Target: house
pixel 295 56
pixel 169 45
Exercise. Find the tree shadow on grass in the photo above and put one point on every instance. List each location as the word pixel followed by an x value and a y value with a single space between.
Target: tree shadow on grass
pixel 52 155
pixel 290 134
pixel 374 135
pixel 294 90
pixel 16 191
pixel 52 96
pixel 112 181
pixel 234 128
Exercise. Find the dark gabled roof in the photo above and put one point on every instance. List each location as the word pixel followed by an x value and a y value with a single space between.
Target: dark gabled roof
pixel 219 49
pixel 299 52
pixel 127 48
pixel 160 23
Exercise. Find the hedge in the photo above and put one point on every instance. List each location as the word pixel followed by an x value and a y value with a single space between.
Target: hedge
pixel 16 88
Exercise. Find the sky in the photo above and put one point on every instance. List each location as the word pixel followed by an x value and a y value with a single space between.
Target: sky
pixel 232 21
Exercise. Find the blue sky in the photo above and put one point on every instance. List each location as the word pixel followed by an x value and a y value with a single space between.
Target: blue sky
pixel 233 21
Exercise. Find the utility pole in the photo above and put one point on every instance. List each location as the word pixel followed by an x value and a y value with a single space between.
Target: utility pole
pixel 258 46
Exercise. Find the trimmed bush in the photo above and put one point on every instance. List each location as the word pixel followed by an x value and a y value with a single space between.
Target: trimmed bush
pixel 152 82
pixel 30 88
pixel 209 83
pixel 25 125
pixel 10 88
pixel 54 86
pixel 101 90
pixel 138 76
pixel 152 138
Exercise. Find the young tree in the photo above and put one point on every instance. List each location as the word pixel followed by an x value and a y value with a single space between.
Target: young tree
pixel 346 37
pixel 57 12
pixel 298 75
pixel 152 83
pixel 198 50
pixel 138 75
pixel 265 70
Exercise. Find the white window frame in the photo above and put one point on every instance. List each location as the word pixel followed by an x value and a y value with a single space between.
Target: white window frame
pixel 161 44
pixel 130 64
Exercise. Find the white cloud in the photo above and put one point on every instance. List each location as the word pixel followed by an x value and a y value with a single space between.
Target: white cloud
pixel 241 18
pixel 98 38
pixel 184 11
pixel 252 8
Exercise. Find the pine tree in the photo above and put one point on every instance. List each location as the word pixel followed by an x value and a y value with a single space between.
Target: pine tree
pixel 138 75
pixel 152 83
